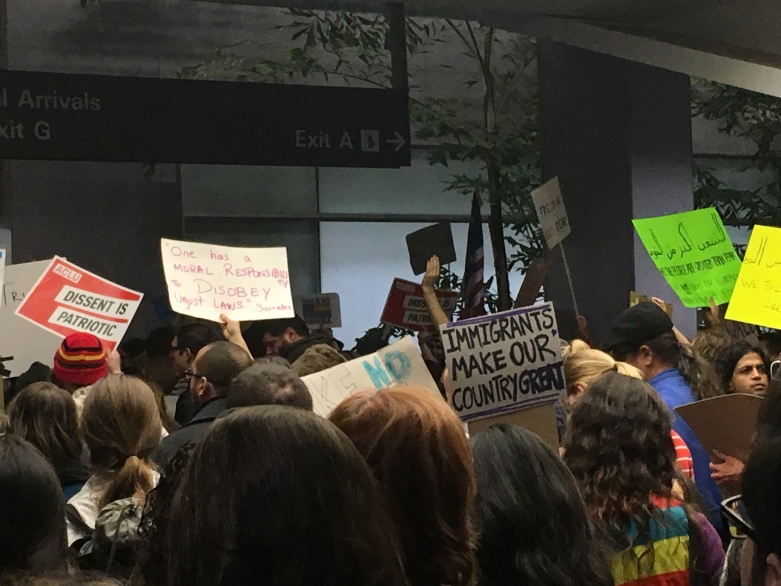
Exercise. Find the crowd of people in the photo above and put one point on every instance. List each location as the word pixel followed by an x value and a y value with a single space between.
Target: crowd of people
pixel 194 458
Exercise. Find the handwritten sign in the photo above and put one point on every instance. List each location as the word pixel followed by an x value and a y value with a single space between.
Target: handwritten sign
pixel 2 270
pixel 550 210
pixel 635 298
pixel 22 339
pixel 319 311
pixel 246 284
pixel 399 364
pixel 694 253
pixel 67 299
pixel 504 362
pixel 757 296
pixel 406 307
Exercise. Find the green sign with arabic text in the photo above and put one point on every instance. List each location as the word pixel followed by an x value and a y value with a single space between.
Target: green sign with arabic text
pixel 694 253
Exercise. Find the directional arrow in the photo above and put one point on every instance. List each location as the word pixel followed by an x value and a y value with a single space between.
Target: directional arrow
pixel 398 141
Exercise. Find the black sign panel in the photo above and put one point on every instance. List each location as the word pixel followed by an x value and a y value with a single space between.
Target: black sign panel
pixel 55 116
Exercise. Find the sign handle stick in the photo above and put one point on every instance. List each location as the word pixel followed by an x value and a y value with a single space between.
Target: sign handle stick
pixel 569 278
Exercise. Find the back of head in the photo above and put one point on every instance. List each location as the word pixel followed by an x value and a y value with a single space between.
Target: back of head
pixel 195 337
pixel 221 362
pixel 277 327
pixel 297 506
pixel 32 511
pixel 619 448
pixel 45 415
pixel 80 360
pixel 762 498
pixel 533 525
pixel 269 384
pixel 121 426
pixel 158 342
pixel 417 448
pixel 318 358
pixel 710 343
pixel 769 416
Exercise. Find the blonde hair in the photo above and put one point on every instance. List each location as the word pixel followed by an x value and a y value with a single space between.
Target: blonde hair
pixel 583 365
pixel 121 426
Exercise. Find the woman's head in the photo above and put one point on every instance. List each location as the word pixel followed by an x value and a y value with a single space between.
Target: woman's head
pixel 121 426
pixel 417 448
pixel 32 510
pixel 533 525
pixel 743 368
pixel 45 415
pixel 583 365
pixel 619 448
pixel 281 496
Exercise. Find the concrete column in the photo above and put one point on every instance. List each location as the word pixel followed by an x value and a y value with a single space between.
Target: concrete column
pixel 618 136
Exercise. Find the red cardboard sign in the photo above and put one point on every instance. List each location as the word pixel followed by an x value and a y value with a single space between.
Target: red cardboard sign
pixel 68 299
pixel 406 307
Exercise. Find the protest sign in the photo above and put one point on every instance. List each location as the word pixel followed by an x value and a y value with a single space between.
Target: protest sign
pixel 635 298
pixel 435 240
pixel 694 253
pixel 319 311
pixel 757 296
pixel 726 423
pixel 399 364
pixel 551 212
pixel 68 299
pixel 504 362
pixel 23 340
pixel 406 307
pixel 246 284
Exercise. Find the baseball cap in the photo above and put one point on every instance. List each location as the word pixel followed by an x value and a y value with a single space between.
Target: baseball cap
pixel 637 325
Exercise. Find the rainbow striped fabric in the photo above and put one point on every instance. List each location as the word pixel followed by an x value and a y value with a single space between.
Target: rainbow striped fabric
pixel 666 563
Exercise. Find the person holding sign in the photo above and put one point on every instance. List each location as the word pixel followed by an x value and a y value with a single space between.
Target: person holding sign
pixel 620 452
pixel 643 337
pixel 417 449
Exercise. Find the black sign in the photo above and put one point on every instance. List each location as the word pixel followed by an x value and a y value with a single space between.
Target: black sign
pixel 103 118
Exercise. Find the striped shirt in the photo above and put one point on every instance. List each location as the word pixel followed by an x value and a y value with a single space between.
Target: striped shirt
pixel 683 456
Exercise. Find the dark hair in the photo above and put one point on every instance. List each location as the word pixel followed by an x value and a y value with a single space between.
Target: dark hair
pixel 620 451
pixel 46 416
pixel 253 337
pixel 297 506
pixel 728 361
pixel 221 362
pixel 667 350
pixel 133 347
pixel 32 523
pixel 154 551
pixel 158 342
pixel 769 416
pixel 277 327
pixel 762 498
pixel 277 360
pixel 534 529
pixel 196 336
pixel 417 448
pixel 269 384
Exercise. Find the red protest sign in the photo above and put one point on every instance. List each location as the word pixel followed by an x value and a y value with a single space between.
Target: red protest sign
pixel 406 307
pixel 68 299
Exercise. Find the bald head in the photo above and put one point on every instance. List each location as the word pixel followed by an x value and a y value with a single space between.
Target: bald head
pixel 269 384
pixel 219 363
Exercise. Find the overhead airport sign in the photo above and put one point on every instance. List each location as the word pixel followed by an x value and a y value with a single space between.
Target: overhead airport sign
pixel 53 116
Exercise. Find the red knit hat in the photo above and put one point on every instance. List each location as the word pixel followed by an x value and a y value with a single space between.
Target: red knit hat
pixel 80 360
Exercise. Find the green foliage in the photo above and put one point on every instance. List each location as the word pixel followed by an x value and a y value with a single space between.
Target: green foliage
pixel 756 117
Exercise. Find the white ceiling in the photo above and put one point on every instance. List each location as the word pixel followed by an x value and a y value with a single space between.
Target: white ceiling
pixel 733 41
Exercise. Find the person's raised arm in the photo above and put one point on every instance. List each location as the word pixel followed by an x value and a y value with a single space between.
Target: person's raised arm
pixel 682 340
pixel 438 315
pixel 232 332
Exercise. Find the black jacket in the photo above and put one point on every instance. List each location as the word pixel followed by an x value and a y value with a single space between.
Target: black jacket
pixel 189 432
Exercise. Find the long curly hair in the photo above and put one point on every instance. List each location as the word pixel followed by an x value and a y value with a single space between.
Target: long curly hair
pixel 620 451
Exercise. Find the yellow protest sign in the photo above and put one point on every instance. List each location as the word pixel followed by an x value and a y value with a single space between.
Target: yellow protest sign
pixel 694 253
pixel 757 296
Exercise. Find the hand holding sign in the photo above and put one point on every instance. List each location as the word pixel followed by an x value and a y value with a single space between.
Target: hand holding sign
pixel 248 284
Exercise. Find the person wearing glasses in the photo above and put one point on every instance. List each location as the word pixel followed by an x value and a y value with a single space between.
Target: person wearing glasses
pixel 209 376
pixel 189 340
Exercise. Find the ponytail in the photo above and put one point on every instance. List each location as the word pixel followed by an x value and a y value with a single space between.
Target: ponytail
pixel 135 479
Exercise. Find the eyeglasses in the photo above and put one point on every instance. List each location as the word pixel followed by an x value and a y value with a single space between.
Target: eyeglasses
pixel 735 511
pixel 190 375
